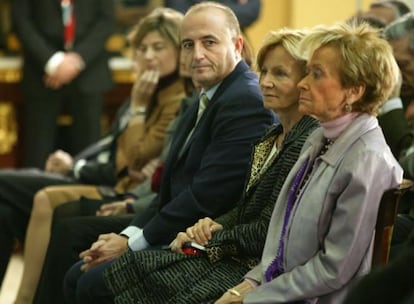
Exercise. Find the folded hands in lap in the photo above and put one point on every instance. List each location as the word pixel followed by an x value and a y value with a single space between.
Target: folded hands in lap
pixel 107 247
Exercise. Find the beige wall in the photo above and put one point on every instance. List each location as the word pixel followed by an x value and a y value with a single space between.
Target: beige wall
pixel 301 13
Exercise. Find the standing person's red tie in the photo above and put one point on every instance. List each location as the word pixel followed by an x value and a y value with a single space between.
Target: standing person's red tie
pixel 68 18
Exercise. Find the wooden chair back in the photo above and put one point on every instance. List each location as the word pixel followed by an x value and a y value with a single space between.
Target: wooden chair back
pixel 386 217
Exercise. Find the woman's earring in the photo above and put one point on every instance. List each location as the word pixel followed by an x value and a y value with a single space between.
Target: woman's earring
pixel 348 107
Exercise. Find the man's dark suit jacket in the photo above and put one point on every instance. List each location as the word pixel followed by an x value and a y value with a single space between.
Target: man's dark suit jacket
pixel 396 130
pixel 207 178
pixel 39 26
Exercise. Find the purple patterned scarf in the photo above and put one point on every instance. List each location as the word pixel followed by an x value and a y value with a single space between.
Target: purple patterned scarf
pixel 276 267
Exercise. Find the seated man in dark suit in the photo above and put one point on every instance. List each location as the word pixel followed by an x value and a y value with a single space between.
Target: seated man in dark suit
pixel 208 160
pixel 400 35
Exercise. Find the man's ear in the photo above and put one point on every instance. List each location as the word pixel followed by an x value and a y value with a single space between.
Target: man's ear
pixel 238 43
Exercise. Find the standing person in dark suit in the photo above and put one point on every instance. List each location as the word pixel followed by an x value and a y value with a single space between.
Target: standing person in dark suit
pixel 208 161
pixel 65 66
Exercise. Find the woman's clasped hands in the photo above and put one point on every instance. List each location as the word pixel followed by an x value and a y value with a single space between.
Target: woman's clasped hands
pixel 201 233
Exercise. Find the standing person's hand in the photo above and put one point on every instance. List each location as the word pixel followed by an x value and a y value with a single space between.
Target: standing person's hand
pixel 59 162
pixel 70 67
pixel 107 247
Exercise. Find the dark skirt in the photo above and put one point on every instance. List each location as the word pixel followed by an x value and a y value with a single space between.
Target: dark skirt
pixel 156 276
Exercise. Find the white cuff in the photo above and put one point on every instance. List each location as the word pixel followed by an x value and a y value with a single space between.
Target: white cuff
pixel 130 231
pixel 77 167
pixel 136 239
pixel 53 62
pixel 390 105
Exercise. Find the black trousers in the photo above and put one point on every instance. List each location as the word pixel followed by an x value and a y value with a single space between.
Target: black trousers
pixel 87 287
pixel 17 189
pixel 71 235
pixel 41 134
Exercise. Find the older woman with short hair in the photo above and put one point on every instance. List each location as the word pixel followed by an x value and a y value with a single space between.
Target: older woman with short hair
pixel 320 236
